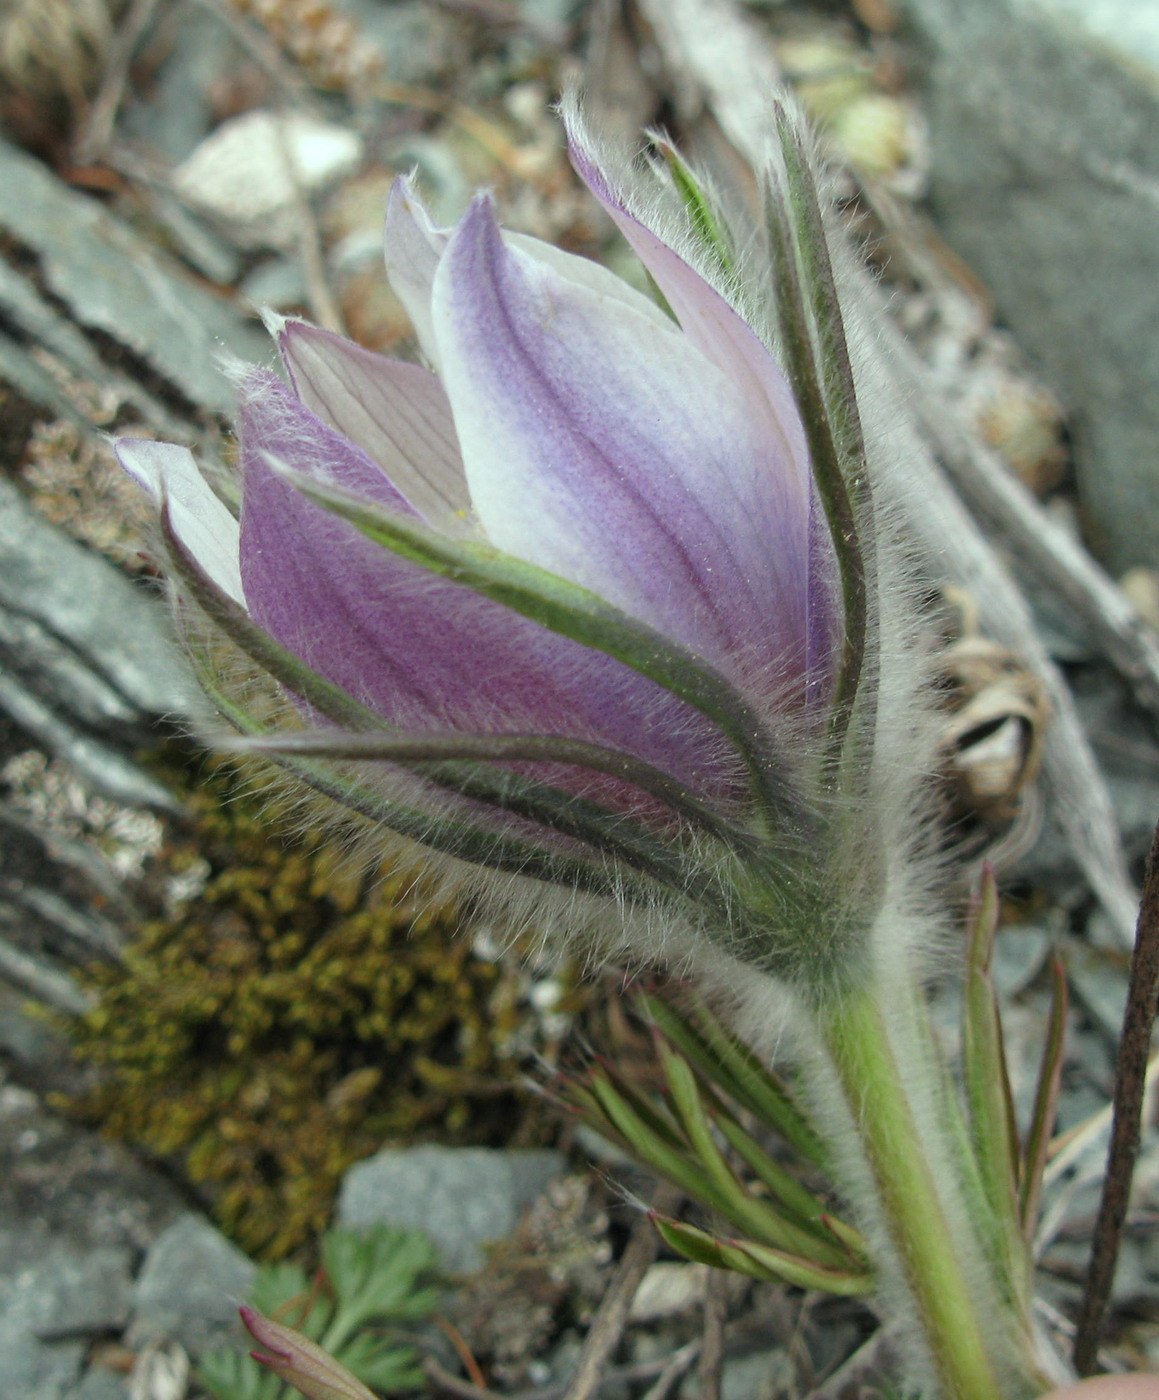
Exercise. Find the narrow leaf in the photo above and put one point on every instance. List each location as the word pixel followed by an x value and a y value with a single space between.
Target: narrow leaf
pixel 710 230
pixel 462 839
pixel 659 1154
pixel 511 748
pixel 741 1208
pixel 724 1061
pixel 560 811
pixel 992 1124
pixel 760 1262
pixel 1045 1102
pixel 812 334
pixel 793 1198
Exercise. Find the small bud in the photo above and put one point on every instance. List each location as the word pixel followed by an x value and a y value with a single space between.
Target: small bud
pixel 300 1362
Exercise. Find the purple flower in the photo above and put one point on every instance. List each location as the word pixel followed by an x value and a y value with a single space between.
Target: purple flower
pixel 569 577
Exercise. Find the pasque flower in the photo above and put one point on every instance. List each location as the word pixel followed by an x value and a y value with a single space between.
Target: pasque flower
pixel 599 598
pixel 569 588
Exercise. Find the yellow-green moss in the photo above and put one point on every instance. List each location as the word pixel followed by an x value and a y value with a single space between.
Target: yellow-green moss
pixel 292 1018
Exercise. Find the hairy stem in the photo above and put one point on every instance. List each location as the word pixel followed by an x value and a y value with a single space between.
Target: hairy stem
pixel 910 1204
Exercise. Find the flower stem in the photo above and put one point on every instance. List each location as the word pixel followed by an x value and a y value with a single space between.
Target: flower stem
pixel 914 1215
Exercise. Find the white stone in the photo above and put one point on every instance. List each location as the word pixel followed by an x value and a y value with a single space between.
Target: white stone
pixel 667 1290
pixel 245 172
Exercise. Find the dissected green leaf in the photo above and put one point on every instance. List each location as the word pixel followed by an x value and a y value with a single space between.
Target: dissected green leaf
pixel 232 1374
pixel 368 1280
pixel 377 1274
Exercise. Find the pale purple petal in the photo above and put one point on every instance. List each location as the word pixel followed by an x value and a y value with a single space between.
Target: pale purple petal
pixel 412 246
pixel 201 521
pixel 421 651
pixel 396 412
pixel 602 445
pixel 709 322
pixel 587 273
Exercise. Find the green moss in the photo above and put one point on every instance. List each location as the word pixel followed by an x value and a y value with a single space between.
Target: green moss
pixel 291 1019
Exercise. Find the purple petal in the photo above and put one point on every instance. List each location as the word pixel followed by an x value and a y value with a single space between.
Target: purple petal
pixel 397 413
pixel 202 522
pixel 413 246
pixel 422 652
pixel 707 319
pixel 603 445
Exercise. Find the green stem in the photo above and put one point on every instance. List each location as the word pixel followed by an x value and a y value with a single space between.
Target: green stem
pixel 858 1042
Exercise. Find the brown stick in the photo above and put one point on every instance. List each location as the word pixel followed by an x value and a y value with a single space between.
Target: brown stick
pixel 710 1366
pixel 612 1315
pixel 1130 1079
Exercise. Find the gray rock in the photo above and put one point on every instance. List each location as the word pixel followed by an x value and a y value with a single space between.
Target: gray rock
pixel 759 1376
pixel 84 654
pixel 75 1215
pixel 463 1198
pixel 101 1384
pixel 1019 953
pixel 417 42
pixel 171 114
pixel 1045 176
pixel 190 1286
pixel 48 1311
pixel 63 1185
pixel 86 603
pixel 114 281
pixel 1100 983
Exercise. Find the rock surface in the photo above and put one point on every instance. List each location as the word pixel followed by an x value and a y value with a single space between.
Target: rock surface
pixel 85 656
pixel 1045 177
pixel 464 1198
pixel 190 1286
pixel 114 282
pixel 75 1216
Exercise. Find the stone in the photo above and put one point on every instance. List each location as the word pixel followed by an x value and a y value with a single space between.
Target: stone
pixel 759 1376
pixel 87 603
pixel 114 281
pixel 190 1286
pixel 464 1198
pixel 60 1183
pixel 50 1309
pixel 98 1383
pixel 667 1290
pixel 1045 177
pixel 85 655
pixel 249 171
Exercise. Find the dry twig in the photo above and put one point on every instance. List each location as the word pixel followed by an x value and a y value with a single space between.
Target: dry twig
pixel 98 129
pixel 711 1364
pixel 1130 1082
pixel 612 1315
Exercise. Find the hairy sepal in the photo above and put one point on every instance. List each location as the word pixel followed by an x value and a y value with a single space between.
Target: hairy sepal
pixel 577 613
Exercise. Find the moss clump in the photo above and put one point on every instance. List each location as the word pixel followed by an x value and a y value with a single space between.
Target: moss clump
pixel 289 1019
